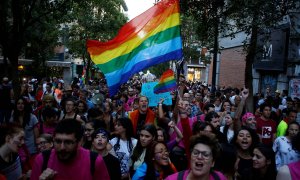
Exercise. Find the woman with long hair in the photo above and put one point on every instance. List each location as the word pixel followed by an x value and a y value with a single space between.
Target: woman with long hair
pixel 147 135
pixel 107 116
pixel 157 164
pixel 22 116
pixel 227 129
pixel 284 153
pixel 292 170
pixel 245 140
pixel 263 166
pixel 11 140
pixel 89 129
pixel 123 144
pixel 82 109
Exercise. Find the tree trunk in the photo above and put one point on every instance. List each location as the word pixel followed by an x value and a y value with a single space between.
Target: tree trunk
pixel 15 75
pixel 249 65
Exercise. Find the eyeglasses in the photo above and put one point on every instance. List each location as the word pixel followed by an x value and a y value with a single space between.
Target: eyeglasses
pixel 204 154
pixel 65 142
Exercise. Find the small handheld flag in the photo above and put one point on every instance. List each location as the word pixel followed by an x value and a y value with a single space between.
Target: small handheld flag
pixel 166 83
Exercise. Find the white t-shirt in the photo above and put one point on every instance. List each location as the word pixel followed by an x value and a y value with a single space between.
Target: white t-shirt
pixel 122 152
pixel 229 135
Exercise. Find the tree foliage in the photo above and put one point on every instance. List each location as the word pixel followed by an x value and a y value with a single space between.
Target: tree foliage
pixel 233 16
pixel 95 19
pixel 32 27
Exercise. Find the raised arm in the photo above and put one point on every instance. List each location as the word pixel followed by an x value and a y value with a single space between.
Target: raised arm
pixel 239 110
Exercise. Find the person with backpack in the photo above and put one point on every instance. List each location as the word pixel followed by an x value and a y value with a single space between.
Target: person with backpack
pixel 68 160
pixel 204 149
pixel 11 140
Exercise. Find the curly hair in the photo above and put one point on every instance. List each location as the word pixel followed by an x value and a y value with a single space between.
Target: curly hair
pixel 208 139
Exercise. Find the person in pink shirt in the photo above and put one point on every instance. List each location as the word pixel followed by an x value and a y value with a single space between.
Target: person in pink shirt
pixel 292 170
pixel 204 149
pixel 68 160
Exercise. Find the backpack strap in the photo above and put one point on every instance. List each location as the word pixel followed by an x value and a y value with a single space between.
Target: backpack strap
pixel 75 116
pixel 180 175
pixel 215 175
pixel 46 155
pixel 93 157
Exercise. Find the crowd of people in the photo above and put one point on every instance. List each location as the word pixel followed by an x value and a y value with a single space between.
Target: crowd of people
pixel 58 131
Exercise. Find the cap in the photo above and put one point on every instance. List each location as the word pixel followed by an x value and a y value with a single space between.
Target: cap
pixel 246 116
pixel 277 91
pixel 101 131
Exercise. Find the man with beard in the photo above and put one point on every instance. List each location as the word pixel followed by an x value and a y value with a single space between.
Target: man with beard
pixel 143 115
pixel 214 119
pixel 68 160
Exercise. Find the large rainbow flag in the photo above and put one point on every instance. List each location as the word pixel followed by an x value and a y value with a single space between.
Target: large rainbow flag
pixel 166 82
pixel 149 39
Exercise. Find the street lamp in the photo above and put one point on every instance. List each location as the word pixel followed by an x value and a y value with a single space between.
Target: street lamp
pixel 20 67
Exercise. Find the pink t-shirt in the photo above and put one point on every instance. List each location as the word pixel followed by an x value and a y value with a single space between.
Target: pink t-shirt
pixel 78 169
pixel 47 129
pixel 173 135
pixel 186 173
pixel 294 170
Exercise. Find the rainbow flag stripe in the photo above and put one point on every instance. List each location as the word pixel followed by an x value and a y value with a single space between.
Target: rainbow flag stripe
pixel 149 39
pixel 166 83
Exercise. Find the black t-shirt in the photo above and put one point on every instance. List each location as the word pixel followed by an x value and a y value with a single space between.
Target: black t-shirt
pixel 244 164
pixel 13 169
pixel 113 166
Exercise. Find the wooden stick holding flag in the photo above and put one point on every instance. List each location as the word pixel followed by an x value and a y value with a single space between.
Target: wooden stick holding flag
pixel 147 40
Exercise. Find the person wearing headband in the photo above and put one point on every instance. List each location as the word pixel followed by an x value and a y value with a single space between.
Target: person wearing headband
pixel 100 140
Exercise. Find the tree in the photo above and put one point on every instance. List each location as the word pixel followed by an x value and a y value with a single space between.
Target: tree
pixel 251 17
pixel 18 21
pixel 95 19
pixel 233 16
pixel 31 27
pixel 207 13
